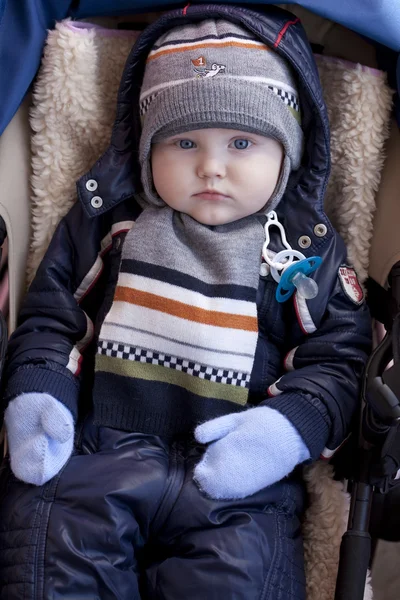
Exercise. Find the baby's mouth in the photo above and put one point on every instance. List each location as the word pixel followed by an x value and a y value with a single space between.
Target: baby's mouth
pixel 211 195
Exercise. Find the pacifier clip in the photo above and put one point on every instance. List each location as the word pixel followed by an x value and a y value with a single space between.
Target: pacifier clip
pixel 289 267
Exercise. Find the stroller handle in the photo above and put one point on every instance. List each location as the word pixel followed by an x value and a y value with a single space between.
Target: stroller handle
pixel 355 548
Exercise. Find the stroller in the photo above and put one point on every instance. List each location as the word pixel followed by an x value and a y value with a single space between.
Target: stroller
pixel 377 419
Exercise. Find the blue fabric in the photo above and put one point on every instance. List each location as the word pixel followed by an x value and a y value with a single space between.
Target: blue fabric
pixel 40 433
pixel 23 30
pixel 24 24
pixel 376 19
pixel 248 451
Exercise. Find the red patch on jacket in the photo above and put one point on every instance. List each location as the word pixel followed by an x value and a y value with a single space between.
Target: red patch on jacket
pixel 350 284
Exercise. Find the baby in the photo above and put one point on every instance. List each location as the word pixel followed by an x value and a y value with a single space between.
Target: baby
pixel 157 389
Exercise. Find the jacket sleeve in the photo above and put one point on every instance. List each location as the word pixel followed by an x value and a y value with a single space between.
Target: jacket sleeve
pixel 44 352
pixel 320 390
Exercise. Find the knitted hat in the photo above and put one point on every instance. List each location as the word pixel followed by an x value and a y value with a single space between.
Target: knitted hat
pixel 217 74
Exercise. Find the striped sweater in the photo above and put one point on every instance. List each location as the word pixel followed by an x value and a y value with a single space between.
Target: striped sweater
pixel 178 343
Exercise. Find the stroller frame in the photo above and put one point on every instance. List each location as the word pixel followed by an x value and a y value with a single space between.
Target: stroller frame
pixel 377 463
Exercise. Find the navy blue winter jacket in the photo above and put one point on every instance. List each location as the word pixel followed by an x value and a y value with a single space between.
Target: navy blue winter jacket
pixel 310 354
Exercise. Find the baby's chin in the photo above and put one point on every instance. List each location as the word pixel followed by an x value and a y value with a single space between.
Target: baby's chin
pixel 215 217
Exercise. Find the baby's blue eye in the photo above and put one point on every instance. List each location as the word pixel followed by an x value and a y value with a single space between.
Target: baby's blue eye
pixel 241 144
pixel 186 144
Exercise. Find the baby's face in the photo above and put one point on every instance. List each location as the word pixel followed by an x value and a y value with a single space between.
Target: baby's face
pixel 216 175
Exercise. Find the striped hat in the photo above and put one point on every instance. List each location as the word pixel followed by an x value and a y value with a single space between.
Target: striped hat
pixel 217 74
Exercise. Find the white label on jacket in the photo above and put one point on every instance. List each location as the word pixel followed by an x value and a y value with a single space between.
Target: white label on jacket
pixel 350 284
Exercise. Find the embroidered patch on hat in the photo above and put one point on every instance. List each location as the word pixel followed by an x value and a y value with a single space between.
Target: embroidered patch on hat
pixel 200 68
pixel 350 284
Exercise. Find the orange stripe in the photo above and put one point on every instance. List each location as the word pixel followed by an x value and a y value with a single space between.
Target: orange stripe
pixel 185 311
pixel 249 45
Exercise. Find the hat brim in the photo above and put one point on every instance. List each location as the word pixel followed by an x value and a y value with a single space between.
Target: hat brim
pixel 218 103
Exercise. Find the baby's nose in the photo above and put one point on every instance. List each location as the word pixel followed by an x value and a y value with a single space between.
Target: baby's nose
pixel 211 166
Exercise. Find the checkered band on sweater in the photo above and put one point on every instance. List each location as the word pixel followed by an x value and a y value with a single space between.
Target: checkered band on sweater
pixel 188 324
pixel 227 376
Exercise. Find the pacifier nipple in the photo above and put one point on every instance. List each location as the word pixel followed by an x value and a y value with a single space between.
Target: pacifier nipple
pixel 306 287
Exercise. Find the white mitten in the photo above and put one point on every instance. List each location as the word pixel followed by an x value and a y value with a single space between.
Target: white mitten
pixel 249 451
pixel 40 432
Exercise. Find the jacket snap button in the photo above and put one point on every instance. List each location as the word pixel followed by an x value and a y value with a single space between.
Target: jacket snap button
pixel 264 269
pixel 320 230
pixel 304 241
pixel 96 202
pixel 91 185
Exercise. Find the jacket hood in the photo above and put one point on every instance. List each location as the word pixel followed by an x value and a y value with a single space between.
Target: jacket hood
pixel 117 171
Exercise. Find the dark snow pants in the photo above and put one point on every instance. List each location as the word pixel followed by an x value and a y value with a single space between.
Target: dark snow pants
pixel 124 520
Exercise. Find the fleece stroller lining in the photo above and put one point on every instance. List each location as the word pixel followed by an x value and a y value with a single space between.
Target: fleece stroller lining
pixel 73 109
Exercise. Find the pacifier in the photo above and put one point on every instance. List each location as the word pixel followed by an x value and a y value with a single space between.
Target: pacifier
pixel 289 268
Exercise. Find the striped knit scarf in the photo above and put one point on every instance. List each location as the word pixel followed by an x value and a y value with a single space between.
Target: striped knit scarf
pixel 184 315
